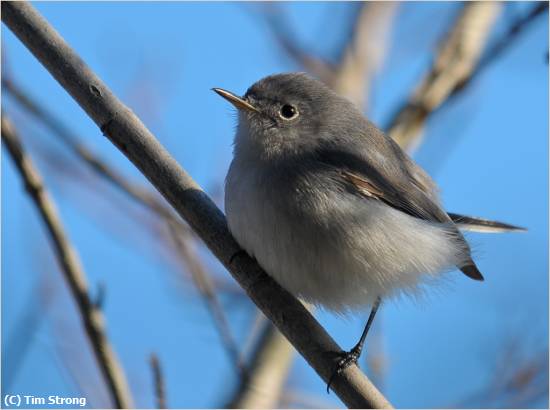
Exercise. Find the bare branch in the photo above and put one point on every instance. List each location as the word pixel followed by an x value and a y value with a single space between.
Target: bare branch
pixel 268 372
pixel 27 325
pixel 102 168
pixel 180 233
pixel 158 379
pixel 362 57
pixel 365 52
pixel 498 47
pixel 206 288
pixel 67 257
pixel 455 62
pixel 127 132
pixel 284 35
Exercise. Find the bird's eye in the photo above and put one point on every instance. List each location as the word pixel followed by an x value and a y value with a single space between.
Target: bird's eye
pixel 288 112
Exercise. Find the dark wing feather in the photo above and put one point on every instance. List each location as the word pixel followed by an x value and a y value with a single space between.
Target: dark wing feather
pixel 398 189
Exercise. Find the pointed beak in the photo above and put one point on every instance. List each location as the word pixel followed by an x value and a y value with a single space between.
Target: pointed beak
pixel 237 101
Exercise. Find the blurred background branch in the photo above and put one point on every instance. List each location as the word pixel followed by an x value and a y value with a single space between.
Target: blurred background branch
pixel 91 316
pixel 179 232
pixel 504 42
pixel 158 381
pixel 458 54
pixel 268 371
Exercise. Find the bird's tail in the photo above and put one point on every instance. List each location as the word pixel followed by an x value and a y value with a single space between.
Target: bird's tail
pixel 472 272
pixel 471 223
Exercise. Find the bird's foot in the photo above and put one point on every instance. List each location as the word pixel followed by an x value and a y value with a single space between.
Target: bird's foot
pixel 346 360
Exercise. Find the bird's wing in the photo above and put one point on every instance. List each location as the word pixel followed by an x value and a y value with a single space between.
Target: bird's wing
pixel 414 205
pixel 388 179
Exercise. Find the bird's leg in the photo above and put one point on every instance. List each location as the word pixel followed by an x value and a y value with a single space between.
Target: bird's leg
pixel 348 358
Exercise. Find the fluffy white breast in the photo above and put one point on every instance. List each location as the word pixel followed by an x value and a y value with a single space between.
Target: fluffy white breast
pixel 330 248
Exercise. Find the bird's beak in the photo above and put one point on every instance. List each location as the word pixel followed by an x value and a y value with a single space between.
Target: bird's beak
pixel 238 102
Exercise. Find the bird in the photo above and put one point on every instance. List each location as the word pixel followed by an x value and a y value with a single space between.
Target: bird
pixel 331 207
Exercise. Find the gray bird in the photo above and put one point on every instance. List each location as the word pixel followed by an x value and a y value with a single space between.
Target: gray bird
pixel 330 206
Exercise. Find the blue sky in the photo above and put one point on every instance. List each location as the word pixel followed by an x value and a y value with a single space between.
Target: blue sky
pixel 488 151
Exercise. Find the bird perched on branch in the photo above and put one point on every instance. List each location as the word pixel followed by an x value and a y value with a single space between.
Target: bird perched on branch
pixel 330 206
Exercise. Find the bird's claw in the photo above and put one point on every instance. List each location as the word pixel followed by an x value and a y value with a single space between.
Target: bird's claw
pixel 348 358
pixel 240 252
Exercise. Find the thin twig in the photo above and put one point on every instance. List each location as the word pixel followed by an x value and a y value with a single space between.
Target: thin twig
pixel 277 22
pixel 67 257
pixel 454 63
pixel 129 134
pixel 101 167
pixel 205 287
pixel 158 379
pixel 27 325
pixel 180 232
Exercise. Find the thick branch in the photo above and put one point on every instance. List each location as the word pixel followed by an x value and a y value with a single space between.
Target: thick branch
pixel 181 234
pixel 456 59
pixel 67 257
pixel 127 132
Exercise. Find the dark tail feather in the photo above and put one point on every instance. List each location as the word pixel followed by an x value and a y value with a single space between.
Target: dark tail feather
pixel 472 272
pixel 471 223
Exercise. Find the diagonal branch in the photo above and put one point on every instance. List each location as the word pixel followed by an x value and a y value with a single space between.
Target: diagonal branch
pixel 267 372
pixel 205 287
pixel 129 134
pixel 365 52
pixel 454 63
pixel 284 34
pixel 181 234
pixel 362 55
pixel 67 257
pixel 99 166
pixel 499 46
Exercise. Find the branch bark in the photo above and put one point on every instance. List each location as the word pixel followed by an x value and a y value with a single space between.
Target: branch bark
pixel 127 132
pixel 67 257
pixel 455 62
